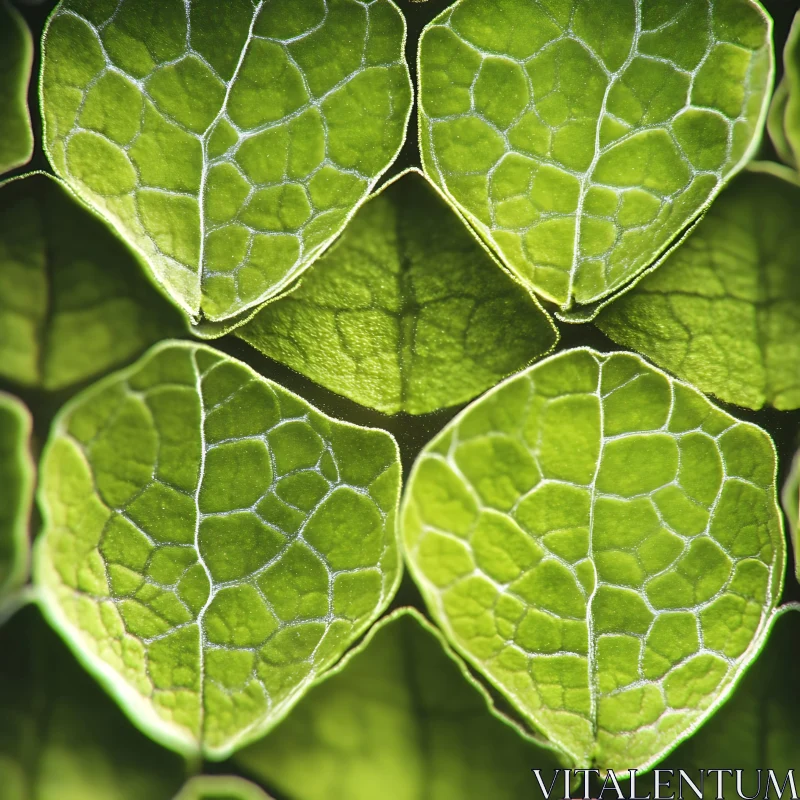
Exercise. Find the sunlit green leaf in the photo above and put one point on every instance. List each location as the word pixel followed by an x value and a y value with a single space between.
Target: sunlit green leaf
pixel 723 311
pixel 791 505
pixel 602 544
pixel 73 300
pixel 581 139
pixel 212 543
pixel 755 731
pixel 407 312
pixel 62 737
pixel 757 728
pixel 220 787
pixel 784 113
pixel 228 143
pixel 16 492
pixel 16 58
pixel 400 719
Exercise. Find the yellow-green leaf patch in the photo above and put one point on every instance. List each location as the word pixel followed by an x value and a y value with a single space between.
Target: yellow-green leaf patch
pixel 784 113
pixel 220 787
pixel 401 718
pixel 604 546
pixel 228 143
pixel 754 732
pixel 212 543
pixel 775 124
pixel 16 58
pixel 408 312
pixel 62 737
pixel 74 302
pixel 723 311
pixel 16 493
pixel 791 506
pixel 581 139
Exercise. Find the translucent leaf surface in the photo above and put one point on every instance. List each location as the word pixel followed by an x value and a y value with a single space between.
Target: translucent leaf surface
pixel 784 113
pixel 408 312
pixel 581 138
pixel 212 543
pixel 723 311
pixel 791 505
pixel 755 731
pixel 73 300
pixel 228 143
pixel 16 492
pixel 62 737
pixel 604 546
pixel 16 58
pixel 220 787
pixel 401 719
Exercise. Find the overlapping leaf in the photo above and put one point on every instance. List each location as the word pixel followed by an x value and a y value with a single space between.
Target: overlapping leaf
pixel 62 737
pixel 784 113
pixel 604 546
pixel 16 493
pixel 581 139
pixel 791 505
pixel 723 311
pixel 408 312
pixel 228 143
pixel 73 300
pixel 775 120
pixel 212 543
pixel 401 719
pixel 220 787
pixel 16 58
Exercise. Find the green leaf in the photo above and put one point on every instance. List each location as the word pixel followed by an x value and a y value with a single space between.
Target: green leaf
pixel 784 113
pixel 212 543
pixel 400 718
pixel 16 59
pixel 756 729
pixel 220 787
pixel 581 139
pixel 775 124
pixel 228 144
pixel 791 506
pixel 604 546
pixel 62 737
pixel 73 300
pixel 407 312
pixel 16 493
pixel 723 312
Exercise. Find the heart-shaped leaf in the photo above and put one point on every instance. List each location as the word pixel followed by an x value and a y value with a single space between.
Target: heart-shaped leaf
pixel 604 546
pixel 723 311
pixel 16 493
pixel 581 139
pixel 407 312
pixel 212 543
pixel 784 113
pixel 73 300
pixel 400 718
pixel 791 505
pixel 16 59
pixel 220 787
pixel 227 143
pixel 62 737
